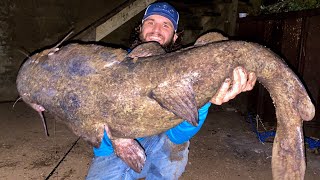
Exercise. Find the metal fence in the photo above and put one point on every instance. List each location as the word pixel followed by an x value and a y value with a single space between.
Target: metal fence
pixel 296 37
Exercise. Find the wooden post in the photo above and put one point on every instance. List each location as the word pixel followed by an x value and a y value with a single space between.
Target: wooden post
pixel 231 20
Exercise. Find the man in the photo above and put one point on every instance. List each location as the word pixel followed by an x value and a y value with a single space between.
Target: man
pixel 166 153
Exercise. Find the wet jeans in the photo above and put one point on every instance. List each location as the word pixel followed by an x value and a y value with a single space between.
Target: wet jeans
pixel 165 160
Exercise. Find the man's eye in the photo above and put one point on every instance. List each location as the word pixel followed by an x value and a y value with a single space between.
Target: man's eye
pixel 150 22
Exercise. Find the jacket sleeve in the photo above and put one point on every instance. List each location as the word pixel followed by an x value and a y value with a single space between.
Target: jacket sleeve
pixel 185 131
pixel 106 148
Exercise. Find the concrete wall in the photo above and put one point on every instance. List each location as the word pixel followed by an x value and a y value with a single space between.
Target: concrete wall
pixel 29 25
pixel 6 60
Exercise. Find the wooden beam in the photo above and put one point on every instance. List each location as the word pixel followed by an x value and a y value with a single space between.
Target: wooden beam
pixel 230 22
pixel 120 18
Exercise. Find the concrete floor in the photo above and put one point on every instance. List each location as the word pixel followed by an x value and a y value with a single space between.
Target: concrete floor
pixel 225 148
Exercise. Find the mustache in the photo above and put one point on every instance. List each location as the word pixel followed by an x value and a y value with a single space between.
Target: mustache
pixel 154 34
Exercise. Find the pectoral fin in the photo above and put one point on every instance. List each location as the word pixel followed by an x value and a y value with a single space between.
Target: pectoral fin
pixel 179 98
pixel 130 152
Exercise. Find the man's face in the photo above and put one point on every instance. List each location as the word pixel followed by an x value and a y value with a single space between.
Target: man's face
pixel 158 28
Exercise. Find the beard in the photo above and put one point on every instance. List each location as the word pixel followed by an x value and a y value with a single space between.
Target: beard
pixel 167 46
pixel 136 39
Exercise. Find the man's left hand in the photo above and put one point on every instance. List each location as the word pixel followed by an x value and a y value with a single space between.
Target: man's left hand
pixel 241 82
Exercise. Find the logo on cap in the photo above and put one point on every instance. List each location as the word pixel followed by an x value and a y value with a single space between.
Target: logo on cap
pixel 163 9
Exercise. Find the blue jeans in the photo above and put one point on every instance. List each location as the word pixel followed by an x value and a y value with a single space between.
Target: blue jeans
pixel 165 160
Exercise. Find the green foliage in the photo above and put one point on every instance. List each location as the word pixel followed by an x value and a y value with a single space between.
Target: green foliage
pixel 290 5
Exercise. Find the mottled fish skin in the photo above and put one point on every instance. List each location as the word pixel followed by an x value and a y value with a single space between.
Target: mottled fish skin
pixel 135 97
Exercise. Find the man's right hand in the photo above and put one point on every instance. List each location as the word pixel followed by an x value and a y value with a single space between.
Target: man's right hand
pixel 241 83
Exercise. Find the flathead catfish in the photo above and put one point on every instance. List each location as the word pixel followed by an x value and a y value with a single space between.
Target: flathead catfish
pixel 92 88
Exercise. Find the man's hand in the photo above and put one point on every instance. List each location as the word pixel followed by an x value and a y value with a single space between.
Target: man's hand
pixel 241 83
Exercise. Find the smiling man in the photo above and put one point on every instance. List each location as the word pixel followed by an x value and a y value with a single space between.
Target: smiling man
pixel 158 28
pixel 166 153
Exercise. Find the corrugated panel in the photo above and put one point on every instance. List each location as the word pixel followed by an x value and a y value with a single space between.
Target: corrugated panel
pixel 272 34
pixel 311 73
pixel 296 37
pixel 291 41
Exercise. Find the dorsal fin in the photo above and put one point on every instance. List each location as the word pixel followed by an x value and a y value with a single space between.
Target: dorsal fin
pixel 147 49
pixel 209 38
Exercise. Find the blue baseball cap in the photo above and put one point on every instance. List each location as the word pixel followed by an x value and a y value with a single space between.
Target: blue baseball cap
pixel 163 9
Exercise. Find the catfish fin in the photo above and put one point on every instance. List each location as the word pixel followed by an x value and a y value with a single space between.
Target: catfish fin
pixel 178 97
pixel 210 38
pixel 147 49
pixel 128 150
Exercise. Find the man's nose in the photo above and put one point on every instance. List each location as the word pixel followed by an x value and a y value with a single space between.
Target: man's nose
pixel 157 28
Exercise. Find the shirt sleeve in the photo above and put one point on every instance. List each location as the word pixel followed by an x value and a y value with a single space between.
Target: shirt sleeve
pixel 185 131
pixel 105 148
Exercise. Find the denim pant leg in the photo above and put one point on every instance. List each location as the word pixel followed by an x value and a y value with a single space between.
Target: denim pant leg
pixel 112 167
pixel 167 160
pixel 108 168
